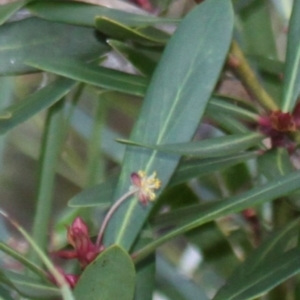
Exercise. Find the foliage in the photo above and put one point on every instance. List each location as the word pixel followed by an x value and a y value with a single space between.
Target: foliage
pixel 164 136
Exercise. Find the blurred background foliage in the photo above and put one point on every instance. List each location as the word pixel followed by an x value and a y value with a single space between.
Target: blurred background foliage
pixel 94 116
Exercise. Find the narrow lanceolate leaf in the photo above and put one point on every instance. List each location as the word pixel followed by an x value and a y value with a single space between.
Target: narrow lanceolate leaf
pixel 199 167
pixel 279 187
pixel 49 154
pixel 95 75
pixel 84 14
pixel 257 29
pixel 23 260
pixel 176 99
pixel 269 265
pixel 7 10
pixel 217 104
pixel 169 275
pixel 275 163
pixel 110 276
pixel 99 195
pixel 115 29
pixel 40 100
pixel 145 270
pixel 18 43
pixel 291 86
pixel 214 147
pixel 30 288
pixel 143 63
pixel 63 286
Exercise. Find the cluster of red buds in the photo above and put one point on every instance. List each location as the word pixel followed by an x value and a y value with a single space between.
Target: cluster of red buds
pixel 84 250
pixel 279 125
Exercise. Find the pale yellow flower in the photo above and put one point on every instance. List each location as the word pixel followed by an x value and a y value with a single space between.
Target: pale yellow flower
pixel 145 186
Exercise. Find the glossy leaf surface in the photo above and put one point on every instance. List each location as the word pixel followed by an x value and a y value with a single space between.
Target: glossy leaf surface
pixel 34 103
pixel 200 167
pixel 281 186
pixel 84 14
pixel 275 163
pixel 181 86
pixel 7 10
pixel 291 86
pixel 95 75
pixel 115 29
pixel 145 271
pixel 110 276
pixel 272 263
pixel 185 287
pixel 31 288
pixel 98 195
pixel 217 104
pixel 101 194
pixel 18 44
pixel 137 58
pixel 213 147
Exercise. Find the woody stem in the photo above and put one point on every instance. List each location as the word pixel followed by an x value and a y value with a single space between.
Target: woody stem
pixel 243 69
pixel 110 213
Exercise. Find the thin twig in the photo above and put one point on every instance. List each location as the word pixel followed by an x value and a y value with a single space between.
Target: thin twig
pixel 241 66
pixel 110 213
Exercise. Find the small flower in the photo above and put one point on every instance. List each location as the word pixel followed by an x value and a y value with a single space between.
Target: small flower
pixel 283 122
pixel 145 186
pixel 278 126
pixel 84 249
pixel 277 121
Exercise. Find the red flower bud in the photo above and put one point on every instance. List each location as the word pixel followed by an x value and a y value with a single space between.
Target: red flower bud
pixel 84 249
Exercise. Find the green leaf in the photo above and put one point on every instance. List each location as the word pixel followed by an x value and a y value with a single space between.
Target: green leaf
pixel 23 260
pixel 110 276
pixel 32 288
pixel 82 123
pixel 144 35
pixel 270 264
pixel 199 167
pixel 99 195
pixel 216 248
pixel 7 86
pixel 186 214
pixel 5 294
pixel 228 123
pixel 145 270
pixel 174 197
pixel 291 81
pixel 279 187
pixel 34 103
pixel 84 14
pixel 7 10
pixel 190 66
pixel 268 64
pixel 95 75
pixel 63 286
pixel 213 147
pixel 166 273
pixel 143 63
pixel 18 44
pixel 49 155
pixel 236 178
pixel 275 163
pixel 217 104
pixel 257 29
